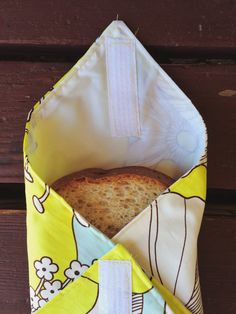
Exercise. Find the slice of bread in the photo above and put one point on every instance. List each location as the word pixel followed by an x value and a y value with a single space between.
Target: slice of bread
pixel 109 199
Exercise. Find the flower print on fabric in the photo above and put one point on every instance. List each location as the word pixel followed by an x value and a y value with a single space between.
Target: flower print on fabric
pixel 39 200
pixel 42 302
pixel 75 270
pixel 45 268
pixel 34 300
pixel 51 289
pixel 47 287
pixel 27 174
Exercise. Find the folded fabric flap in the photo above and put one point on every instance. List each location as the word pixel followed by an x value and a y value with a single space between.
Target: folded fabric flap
pixel 83 295
pixel 172 304
pixel 163 238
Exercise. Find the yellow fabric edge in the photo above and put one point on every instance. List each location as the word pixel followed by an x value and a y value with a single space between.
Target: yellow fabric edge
pixel 176 306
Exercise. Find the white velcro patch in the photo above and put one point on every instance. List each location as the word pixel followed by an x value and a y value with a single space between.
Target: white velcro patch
pixel 122 87
pixel 115 287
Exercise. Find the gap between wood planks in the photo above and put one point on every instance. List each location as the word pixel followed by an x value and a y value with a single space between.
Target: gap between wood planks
pixel 70 53
pixel 219 202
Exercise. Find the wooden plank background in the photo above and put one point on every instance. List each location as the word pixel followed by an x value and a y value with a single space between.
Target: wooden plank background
pixel 195 43
pixel 181 27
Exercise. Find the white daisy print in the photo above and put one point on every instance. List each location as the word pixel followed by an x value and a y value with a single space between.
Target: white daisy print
pixel 45 268
pixel 75 270
pixel 34 300
pixel 42 302
pixel 51 289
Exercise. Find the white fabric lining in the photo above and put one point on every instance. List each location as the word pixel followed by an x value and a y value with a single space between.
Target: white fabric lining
pixel 173 136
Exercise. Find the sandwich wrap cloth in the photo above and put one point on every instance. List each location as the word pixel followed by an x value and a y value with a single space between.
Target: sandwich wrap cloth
pixel 115 107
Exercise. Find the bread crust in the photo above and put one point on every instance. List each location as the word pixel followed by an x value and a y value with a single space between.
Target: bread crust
pixel 98 173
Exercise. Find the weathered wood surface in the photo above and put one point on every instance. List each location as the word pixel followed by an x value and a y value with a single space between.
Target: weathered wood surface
pixel 195 42
pixel 189 27
pixel 14 291
pixel 208 86
pixel 217 258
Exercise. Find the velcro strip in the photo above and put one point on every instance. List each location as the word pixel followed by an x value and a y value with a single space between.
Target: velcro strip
pixel 115 287
pixel 122 87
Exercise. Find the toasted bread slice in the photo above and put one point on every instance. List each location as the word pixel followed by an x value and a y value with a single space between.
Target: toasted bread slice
pixel 109 199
